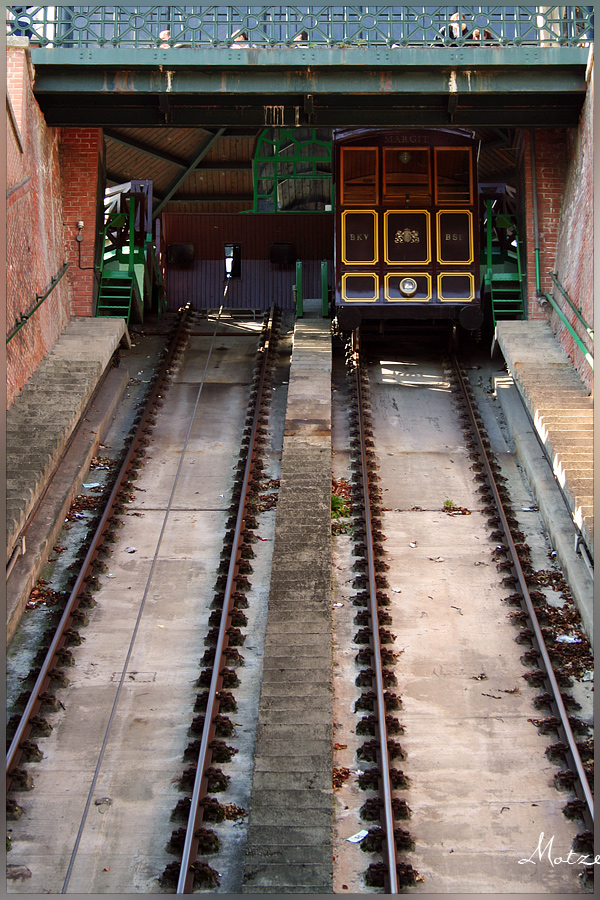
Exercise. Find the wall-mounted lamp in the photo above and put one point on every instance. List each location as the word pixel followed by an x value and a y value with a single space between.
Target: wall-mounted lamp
pixel 405 157
pixel 79 239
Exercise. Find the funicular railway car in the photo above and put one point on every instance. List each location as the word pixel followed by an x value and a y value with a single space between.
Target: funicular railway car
pixel 406 227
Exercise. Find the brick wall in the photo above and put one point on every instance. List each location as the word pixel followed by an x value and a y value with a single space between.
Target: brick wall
pixel 55 178
pixel 564 172
pixel 35 250
pixel 550 171
pixel 82 161
pixel 575 246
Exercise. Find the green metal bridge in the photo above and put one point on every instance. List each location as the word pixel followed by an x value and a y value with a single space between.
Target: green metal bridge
pixel 254 66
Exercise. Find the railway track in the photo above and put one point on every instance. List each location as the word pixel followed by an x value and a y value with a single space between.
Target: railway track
pixel 157 560
pixel 229 601
pixel 450 738
pixel 381 668
pixel 31 722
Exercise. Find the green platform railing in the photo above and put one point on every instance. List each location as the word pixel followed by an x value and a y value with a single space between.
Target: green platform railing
pixel 324 289
pixel 301 26
pixel 589 331
pixel 297 289
pixel 39 299
pixel 586 351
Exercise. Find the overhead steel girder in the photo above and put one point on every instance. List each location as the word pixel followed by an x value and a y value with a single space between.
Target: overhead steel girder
pixel 179 179
pixel 255 87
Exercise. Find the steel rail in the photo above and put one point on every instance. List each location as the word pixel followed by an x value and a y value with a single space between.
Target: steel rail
pixel 185 882
pixel 384 778
pixel 541 646
pixel 34 703
pixel 141 608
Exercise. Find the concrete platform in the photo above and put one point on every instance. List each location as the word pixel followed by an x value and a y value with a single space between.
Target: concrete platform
pixel 44 429
pixel 289 847
pixel 560 407
pixel 46 413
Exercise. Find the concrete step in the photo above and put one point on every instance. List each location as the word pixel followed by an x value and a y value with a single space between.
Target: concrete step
pixel 294 733
pixel 44 528
pixel 43 417
pixel 559 405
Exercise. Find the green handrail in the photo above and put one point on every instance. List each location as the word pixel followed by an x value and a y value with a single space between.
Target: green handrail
pixel 590 331
pixel 130 268
pixel 39 300
pixel 384 26
pixel 586 354
pixel 298 289
pixel 488 248
pixel 324 289
pixel 162 300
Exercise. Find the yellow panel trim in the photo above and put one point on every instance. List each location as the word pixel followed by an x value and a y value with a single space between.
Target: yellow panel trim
pixel 409 262
pixel 407 275
pixel 468 299
pixel 360 262
pixel 372 299
pixel 454 262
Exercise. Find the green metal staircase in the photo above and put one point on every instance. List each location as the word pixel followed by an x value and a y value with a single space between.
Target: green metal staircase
pixel 115 295
pixel 503 276
pixel 130 277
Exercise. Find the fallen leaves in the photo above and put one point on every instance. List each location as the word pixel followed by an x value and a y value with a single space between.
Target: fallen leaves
pixel 102 462
pixel 43 596
pixel 80 503
pixel 340 775
pixel 457 511
pixel 233 812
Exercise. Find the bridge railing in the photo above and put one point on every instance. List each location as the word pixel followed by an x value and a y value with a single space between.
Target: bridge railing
pixel 301 26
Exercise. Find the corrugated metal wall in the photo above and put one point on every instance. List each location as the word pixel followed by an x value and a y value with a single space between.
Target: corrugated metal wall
pixel 261 283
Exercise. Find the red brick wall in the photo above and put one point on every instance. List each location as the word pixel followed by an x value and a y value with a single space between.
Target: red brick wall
pixel 35 250
pixel 55 178
pixel 575 249
pixel 550 170
pixel 82 161
pixel 564 171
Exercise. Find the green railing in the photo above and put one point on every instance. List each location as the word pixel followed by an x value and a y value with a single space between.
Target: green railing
pixel 560 288
pixel 586 351
pixel 156 274
pixel 297 290
pixel 39 299
pixel 306 26
pixel 292 170
pixel 324 289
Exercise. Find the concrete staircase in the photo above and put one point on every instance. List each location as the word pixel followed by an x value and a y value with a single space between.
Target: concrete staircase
pixel 48 409
pixel 560 407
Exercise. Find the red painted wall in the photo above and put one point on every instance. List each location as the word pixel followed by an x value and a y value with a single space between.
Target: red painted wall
pixel 261 284
pixel 35 249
